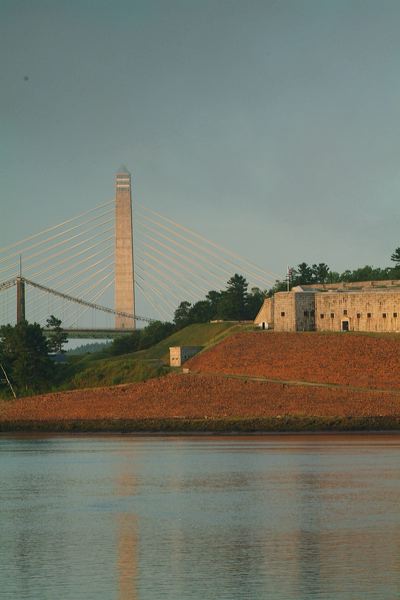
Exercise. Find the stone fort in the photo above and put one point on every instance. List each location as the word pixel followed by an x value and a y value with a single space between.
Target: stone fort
pixel 362 306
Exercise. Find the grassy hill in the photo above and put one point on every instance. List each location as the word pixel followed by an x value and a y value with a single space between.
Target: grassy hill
pixel 199 334
pixel 94 370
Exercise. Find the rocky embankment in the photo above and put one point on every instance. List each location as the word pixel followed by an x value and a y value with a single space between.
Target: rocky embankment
pixel 306 381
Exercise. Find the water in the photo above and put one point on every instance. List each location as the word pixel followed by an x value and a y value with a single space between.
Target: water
pixel 184 518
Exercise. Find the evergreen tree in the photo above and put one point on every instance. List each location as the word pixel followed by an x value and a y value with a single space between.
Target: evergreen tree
pixel 233 303
pixel 396 257
pixel 57 338
pixel 201 312
pixel 181 315
pixel 24 353
pixel 320 273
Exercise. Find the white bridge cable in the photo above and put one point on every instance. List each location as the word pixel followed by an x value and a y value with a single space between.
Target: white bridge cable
pixel 158 302
pixel 68 259
pixel 172 284
pixel 161 296
pixel 85 302
pixel 217 259
pixel 167 288
pixel 53 227
pixel 93 300
pixel 177 273
pixel 75 274
pixel 36 276
pixel 203 248
pixel 185 258
pixel 77 286
pixel 264 272
pixel 186 250
pixel 108 267
pixel 154 291
pixel 158 310
pixel 22 250
pixel 51 257
pixel 94 288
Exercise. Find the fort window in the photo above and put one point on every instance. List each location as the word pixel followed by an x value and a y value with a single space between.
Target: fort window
pixel 358 315
pixel 368 315
pixel 332 315
pixel 282 314
pixel 321 316
pixel 345 311
pixel 395 315
pixel 384 315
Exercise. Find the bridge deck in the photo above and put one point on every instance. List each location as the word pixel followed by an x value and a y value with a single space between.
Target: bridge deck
pixel 93 333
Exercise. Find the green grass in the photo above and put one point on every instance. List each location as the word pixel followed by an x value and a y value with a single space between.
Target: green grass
pixel 101 369
pixel 107 372
pixel 199 334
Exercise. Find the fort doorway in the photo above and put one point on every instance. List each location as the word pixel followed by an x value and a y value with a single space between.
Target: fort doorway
pixel 345 326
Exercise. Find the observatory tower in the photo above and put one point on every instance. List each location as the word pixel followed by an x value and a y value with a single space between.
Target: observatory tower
pixel 124 271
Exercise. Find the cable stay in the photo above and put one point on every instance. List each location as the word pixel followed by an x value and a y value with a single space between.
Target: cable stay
pixel 207 241
pixel 85 303
pixel 266 280
pixel 22 250
pixel 35 235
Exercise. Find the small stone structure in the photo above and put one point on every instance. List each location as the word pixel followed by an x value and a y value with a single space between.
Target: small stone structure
pixel 179 354
pixel 265 317
pixel 366 306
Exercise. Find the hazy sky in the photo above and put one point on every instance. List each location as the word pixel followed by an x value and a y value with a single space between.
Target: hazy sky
pixel 269 126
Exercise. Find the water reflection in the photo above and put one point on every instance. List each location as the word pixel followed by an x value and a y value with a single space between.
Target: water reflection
pixel 127 531
pixel 127 534
pixel 230 518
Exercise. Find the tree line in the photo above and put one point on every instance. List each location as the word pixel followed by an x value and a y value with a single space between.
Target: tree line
pixel 305 274
pixel 25 354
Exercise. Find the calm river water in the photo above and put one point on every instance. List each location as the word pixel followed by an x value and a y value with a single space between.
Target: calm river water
pixel 182 518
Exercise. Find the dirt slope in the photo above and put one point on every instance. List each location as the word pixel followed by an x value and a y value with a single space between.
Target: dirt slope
pixel 197 396
pixel 346 359
pixel 213 390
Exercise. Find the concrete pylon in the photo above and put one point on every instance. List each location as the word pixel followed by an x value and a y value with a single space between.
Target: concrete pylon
pixel 20 300
pixel 124 269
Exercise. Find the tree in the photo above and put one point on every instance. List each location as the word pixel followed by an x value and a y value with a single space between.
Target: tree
pixel 303 274
pixel 233 301
pixel 367 273
pixel 57 338
pixel 181 315
pixel 154 333
pixel 201 312
pixel 396 257
pixel 320 273
pixel 124 344
pixel 214 298
pixel 24 353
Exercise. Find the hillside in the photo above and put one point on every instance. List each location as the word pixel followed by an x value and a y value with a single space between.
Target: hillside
pixel 341 359
pixel 101 369
pixel 249 381
pixel 200 402
pixel 199 334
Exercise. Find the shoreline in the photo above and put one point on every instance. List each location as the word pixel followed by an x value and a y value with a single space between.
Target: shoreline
pixel 228 426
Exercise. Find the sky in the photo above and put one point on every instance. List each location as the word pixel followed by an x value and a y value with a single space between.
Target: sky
pixel 271 127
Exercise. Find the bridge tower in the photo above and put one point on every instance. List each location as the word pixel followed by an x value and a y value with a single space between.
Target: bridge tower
pixel 124 264
pixel 20 299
